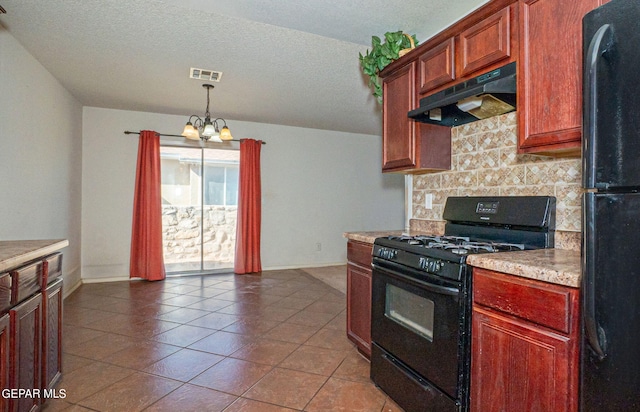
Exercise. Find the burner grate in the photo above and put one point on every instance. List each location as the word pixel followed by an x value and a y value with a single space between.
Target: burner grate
pixel 460 245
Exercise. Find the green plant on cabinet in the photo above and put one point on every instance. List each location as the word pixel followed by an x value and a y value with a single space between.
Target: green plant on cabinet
pixel 396 44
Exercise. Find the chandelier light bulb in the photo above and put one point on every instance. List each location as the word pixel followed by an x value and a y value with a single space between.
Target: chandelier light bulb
pixel 206 129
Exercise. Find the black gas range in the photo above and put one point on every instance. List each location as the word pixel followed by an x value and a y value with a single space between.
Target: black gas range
pixel 421 296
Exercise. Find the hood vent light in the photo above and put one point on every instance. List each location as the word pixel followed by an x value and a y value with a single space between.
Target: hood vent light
pixel 484 96
pixel 206 75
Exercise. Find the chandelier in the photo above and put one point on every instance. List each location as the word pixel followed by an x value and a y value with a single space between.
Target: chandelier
pixel 207 129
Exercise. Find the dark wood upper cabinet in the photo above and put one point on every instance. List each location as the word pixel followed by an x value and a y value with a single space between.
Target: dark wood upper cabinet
pixel 437 66
pixel 485 43
pixel 482 41
pixel 408 146
pixel 544 36
pixel 550 75
pixel 398 131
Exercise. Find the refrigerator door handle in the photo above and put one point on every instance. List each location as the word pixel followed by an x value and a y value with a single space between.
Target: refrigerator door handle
pixel 594 333
pixel 600 43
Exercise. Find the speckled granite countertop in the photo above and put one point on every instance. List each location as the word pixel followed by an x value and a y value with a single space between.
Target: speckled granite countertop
pixel 369 237
pixel 557 266
pixel 16 252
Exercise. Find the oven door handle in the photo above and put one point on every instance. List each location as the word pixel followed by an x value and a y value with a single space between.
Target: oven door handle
pixel 435 288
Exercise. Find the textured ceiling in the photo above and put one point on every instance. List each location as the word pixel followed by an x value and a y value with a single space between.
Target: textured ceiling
pixel 288 62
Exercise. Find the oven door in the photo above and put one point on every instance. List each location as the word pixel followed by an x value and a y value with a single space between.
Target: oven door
pixel 419 320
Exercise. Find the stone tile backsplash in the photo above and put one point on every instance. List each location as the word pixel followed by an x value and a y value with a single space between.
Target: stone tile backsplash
pixel 485 163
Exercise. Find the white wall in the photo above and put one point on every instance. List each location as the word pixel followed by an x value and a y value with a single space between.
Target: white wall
pixel 40 155
pixel 316 185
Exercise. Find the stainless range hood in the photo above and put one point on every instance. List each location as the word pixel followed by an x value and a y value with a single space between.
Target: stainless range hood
pixel 487 95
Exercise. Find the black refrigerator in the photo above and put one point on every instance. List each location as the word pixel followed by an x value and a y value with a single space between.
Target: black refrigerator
pixel 610 356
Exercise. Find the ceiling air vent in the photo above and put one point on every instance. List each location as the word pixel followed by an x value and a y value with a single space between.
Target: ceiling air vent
pixel 202 74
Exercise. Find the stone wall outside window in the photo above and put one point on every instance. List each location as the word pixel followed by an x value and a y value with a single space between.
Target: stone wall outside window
pixel 181 234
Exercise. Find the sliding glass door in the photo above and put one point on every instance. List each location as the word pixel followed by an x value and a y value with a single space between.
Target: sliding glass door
pixel 199 201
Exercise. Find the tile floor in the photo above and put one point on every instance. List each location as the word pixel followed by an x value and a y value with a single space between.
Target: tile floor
pixel 333 276
pixel 274 342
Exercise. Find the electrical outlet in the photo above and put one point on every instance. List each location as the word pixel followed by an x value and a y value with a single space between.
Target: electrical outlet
pixel 428 201
pixel 318 247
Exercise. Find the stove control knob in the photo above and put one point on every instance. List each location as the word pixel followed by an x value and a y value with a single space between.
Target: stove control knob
pixel 387 253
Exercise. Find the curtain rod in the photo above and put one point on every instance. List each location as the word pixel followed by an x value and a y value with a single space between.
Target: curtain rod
pixel 178 135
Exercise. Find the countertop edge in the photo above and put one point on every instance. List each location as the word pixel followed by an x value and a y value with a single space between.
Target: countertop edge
pixel 28 250
pixel 557 266
pixel 370 237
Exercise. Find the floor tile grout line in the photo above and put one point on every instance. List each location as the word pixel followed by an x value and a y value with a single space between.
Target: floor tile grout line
pixel 322 295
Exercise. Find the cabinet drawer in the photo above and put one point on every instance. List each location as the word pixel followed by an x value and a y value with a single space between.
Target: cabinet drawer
pixel 54 268
pixel 359 253
pixel 26 281
pixel 485 43
pixel 5 292
pixel 539 302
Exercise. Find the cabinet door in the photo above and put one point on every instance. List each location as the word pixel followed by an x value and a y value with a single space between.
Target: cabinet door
pixel 437 66
pixel 24 370
pixel 485 43
pixel 52 334
pixel 518 366
pixel 4 359
pixel 550 75
pixel 359 307
pixel 407 145
pixel 398 131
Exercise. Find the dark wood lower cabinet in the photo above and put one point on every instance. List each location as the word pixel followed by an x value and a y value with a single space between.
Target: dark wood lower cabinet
pixel 525 345
pixel 359 295
pixel 24 353
pixel 4 360
pixel 359 304
pixel 518 366
pixel 52 335
pixel 30 331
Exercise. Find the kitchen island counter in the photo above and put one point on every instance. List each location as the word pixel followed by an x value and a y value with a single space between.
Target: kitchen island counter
pixel 14 253
pixel 558 266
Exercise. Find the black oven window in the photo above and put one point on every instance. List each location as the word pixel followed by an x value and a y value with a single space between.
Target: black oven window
pixel 411 311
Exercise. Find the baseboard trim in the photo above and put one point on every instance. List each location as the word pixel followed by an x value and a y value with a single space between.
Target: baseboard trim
pixel 105 280
pixel 317 265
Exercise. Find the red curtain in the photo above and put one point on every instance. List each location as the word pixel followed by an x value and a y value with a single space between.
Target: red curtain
pixel 247 259
pixel 146 235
